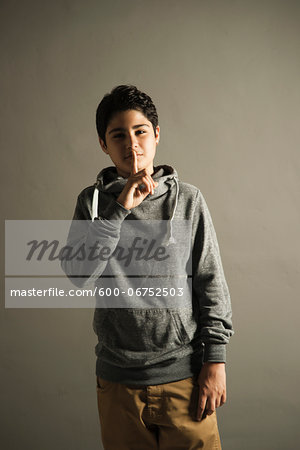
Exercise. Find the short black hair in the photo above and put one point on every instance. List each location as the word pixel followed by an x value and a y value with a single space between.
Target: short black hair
pixel 123 98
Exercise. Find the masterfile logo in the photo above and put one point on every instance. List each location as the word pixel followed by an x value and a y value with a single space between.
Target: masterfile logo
pixel 140 249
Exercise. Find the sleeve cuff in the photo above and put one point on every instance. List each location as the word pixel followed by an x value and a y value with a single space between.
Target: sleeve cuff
pixel 214 353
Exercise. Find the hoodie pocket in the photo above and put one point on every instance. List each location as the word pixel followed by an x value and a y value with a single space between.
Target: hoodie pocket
pixel 139 336
pixel 181 328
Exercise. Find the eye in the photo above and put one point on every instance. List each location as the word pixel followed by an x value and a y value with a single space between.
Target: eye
pixel 119 135
pixel 141 131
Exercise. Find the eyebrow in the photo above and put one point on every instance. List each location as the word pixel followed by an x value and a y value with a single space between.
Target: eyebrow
pixel 134 127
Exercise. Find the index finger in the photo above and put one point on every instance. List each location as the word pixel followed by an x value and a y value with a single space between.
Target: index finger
pixel 134 168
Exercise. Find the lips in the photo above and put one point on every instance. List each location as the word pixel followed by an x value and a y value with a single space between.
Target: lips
pixel 130 156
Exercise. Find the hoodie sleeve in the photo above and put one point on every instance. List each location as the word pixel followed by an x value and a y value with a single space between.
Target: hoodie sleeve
pixel 83 267
pixel 210 287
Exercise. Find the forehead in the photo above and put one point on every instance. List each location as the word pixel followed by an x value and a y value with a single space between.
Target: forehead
pixel 127 119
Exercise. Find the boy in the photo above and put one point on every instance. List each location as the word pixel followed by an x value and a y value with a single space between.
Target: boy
pixel 160 370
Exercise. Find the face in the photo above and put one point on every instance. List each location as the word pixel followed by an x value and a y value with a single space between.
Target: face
pixel 130 131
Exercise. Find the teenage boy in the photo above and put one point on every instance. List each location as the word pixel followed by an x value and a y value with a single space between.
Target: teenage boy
pixel 160 370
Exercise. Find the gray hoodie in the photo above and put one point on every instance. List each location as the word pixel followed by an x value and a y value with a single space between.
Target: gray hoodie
pixel 159 343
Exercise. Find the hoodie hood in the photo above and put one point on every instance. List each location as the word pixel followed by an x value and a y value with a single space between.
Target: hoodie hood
pixel 109 181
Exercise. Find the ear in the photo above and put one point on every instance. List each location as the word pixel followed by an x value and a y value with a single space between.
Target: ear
pixel 157 136
pixel 103 146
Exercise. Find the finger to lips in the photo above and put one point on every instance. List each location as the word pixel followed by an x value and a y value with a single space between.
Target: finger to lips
pixel 145 173
pixel 134 168
pixel 134 171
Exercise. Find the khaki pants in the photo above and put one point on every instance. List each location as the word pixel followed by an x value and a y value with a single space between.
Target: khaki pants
pixel 154 417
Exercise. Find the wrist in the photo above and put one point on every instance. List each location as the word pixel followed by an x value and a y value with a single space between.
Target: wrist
pixel 210 363
pixel 213 364
pixel 122 201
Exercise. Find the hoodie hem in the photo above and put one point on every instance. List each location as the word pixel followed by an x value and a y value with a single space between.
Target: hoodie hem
pixel 151 375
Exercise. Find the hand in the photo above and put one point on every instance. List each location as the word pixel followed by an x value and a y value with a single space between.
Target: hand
pixel 212 388
pixel 131 195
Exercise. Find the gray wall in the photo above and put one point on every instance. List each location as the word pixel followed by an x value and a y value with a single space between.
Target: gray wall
pixel 225 78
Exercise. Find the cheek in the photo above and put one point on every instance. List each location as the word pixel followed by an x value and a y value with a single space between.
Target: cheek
pixel 150 143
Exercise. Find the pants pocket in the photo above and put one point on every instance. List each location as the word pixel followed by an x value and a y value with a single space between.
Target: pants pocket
pixel 97 383
pixel 103 384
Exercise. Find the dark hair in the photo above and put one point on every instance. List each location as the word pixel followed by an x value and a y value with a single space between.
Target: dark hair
pixel 123 98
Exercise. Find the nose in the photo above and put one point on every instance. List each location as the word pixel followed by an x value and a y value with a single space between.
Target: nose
pixel 131 143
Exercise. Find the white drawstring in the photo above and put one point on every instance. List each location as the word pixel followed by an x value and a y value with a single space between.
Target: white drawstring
pixel 171 239
pixel 95 204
